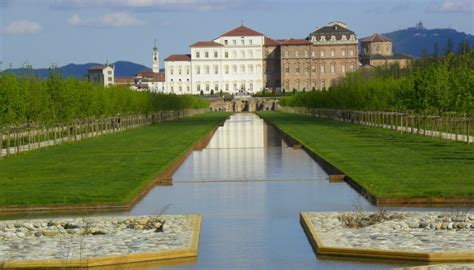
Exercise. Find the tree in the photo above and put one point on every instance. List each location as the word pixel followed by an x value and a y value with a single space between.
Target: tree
pixel 463 47
pixel 436 50
pixel 449 46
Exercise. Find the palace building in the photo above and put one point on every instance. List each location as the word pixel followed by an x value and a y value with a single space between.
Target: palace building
pixel 376 50
pixel 244 60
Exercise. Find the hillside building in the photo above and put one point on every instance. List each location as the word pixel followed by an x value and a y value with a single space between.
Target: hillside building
pixel 101 74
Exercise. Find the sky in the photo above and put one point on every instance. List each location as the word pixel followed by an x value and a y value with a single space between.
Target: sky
pixel 43 33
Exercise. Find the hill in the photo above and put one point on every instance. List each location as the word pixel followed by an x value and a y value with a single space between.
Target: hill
pixel 413 40
pixel 122 68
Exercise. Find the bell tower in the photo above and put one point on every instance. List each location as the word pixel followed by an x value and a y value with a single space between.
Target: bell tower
pixel 156 59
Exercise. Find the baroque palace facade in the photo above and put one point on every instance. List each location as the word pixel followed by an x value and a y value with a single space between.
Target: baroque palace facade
pixel 246 60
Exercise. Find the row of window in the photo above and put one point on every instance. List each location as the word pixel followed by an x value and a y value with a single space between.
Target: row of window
pixel 215 87
pixel 322 53
pixel 228 69
pixel 322 68
pixel 333 38
pixel 232 54
pixel 236 42
pixel 300 85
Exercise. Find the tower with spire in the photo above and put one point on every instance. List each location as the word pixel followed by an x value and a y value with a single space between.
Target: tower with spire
pixel 156 59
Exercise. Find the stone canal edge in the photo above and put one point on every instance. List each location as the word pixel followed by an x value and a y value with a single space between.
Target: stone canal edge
pixel 388 255
pixel 164 257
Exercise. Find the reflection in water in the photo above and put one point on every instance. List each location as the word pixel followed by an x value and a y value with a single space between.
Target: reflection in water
pixel 245 148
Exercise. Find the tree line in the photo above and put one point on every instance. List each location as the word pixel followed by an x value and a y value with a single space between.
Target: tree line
pixel 28 99
pixel 433 85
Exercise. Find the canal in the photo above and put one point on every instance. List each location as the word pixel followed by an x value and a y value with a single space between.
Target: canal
pixel 249 187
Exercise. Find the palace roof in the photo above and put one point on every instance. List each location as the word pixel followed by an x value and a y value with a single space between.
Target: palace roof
pixel 206 44
pixel 332 29
pixel 241 31
pixel 271 42
pixel 376 38
pixel 178 57
pixel 295 41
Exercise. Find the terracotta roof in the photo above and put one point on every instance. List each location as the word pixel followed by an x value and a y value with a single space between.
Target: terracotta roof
pixel 150 76
pixel 124 80
pixel 179 57
pixel 145 70
pixel 241 31
pixel 98 67
pixel 294 41
pixel 376 38
pixel 206 44
pixel 271 42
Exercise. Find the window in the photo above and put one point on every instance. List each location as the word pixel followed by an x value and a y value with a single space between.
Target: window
pixel 187 71
pixel 250 69
pixel 235 87
pixel 172 89
pixel 306 85
pixel 242 86
pixel 226 69
pixel 234 69
pixel 171 71
pixel 180 89
pixel 251 86
pixel 313 54
pixel 287 53
pixel 242 69
pixel 343 52
pixel 179 71
pixel 242 54
pixel 234 54
pixel 110 79
pixel 351 52
pixel 109 72
pixel 197 54
pixel 287 68
pixel 306 69
pixel 313 69
pixel 206 54
pixel 322 68
pixel 206 69
pixel 234 42
pixel 226 42
pixel 298 85
pixel 343 68
pixel 226 54
pixel 297 53
pixel 216 69
pixel 250 54
pixel 198 69
pixel 333 53
pixel 216 55
pixel 297 68
pixel 306 53
pixel 227 87
pixel 323 84
pixel 187 88
pixel 250 42
pixel 322 53
pixel 333 68
pixel 287 85
pixel 352 67
pixel 216 87
pixel 207 87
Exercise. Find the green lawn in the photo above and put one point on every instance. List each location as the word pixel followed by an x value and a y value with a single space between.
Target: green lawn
pixel 386 163
pixel 108 169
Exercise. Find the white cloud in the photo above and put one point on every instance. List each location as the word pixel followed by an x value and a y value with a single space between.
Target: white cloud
pixel 116 19
pixel 452 6
pixel 201 5
pixel 22 27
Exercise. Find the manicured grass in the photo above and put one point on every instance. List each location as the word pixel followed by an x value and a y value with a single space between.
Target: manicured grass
pixel 386 163
pixel 108 169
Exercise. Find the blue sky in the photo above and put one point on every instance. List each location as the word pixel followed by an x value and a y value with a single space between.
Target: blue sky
pixel 46 32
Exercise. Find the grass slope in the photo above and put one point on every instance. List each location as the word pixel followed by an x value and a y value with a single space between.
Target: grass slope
pixel 388 164
pixel 107 169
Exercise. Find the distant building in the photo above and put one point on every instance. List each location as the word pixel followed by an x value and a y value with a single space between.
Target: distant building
pixel 376 50
pixel 317 61
pixel 178 74
pixel 124 81
pixel 101 74
pixel 149 80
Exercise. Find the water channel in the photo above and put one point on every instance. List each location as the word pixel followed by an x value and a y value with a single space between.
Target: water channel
pixel 249 186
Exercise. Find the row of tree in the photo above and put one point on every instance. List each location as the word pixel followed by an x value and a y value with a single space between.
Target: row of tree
pixel 56 100
pixel 429 85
